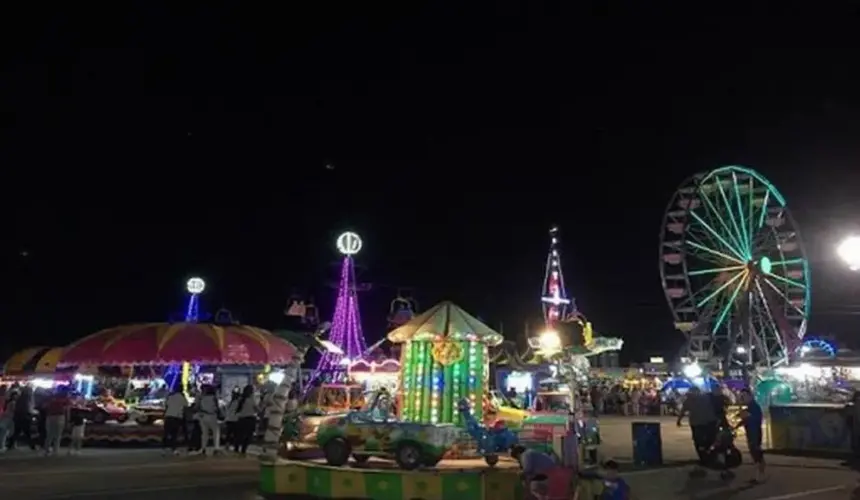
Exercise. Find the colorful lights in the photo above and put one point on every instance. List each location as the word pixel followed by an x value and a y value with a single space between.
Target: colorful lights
pixel 444 360
pixel 346 324
pixel 554 299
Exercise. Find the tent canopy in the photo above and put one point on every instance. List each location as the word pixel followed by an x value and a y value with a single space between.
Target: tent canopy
pixel 447 320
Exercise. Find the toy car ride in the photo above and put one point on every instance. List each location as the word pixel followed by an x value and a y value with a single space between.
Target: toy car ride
pixel 372 432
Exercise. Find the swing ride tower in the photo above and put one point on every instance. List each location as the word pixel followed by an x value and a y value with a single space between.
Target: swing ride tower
pixel 346 332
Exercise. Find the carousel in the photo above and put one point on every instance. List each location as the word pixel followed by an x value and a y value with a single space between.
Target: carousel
pixel 443 373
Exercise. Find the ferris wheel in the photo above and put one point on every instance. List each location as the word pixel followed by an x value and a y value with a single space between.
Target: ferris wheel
pixel 734 268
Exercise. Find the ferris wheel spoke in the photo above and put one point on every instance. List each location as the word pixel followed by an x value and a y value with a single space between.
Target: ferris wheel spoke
pixel 763 214
pixel 716 270
pixel 720 289
pixel 771 322
pixel 731 302
pixel 715 252
pixel 747 241
pixel 787 281
pixel 711 211
pixel 784 297
pixel 751 211
pixel 728 205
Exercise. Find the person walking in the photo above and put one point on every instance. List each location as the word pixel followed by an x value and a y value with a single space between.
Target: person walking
pixel 246 420
pixel 174 419
pixel 752 419
pixel 704 424
pixel 209 409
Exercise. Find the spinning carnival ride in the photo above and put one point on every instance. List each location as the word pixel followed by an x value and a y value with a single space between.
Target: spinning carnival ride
pixel 345 331
pixel 734 268
pixel 554 296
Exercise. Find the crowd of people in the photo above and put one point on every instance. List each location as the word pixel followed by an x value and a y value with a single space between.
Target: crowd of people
pixel 49 412
pixel 41 420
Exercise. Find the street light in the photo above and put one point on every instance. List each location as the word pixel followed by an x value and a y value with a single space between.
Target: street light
pixel 849 252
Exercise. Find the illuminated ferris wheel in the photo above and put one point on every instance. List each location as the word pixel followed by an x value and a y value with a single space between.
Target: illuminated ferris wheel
pixel 734 268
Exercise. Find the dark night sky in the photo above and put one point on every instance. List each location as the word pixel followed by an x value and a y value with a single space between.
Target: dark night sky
pixel 144 145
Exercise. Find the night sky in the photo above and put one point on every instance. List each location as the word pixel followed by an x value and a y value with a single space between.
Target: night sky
pixel 145 145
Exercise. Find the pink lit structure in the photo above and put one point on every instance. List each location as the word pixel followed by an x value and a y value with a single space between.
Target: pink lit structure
pixel 345 330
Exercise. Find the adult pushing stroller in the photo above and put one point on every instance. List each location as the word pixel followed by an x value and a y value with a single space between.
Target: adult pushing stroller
pixel 724 456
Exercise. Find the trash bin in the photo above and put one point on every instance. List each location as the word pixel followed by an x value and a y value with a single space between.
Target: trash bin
pixel 647 444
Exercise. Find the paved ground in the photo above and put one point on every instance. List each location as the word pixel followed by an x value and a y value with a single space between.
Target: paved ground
pixel 144 474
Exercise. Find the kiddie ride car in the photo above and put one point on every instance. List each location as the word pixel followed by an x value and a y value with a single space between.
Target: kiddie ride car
pixel 491 441
pixel 373 432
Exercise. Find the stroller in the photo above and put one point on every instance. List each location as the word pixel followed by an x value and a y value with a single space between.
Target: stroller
pixel 724 455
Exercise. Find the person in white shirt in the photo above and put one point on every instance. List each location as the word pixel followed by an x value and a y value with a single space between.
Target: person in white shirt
pixel 174 419
pixel 209 409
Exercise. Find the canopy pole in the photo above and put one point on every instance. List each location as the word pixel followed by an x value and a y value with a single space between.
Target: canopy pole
pixel 186 375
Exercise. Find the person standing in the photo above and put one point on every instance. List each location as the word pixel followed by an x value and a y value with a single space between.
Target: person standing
pixel 209 409
pixel 24 411
pixel 246 420
pixel 76 443
pixel 703 424
pixel 56 409
pixel 752 419
pixel 231 419
pixel 174 419
pixel 7 419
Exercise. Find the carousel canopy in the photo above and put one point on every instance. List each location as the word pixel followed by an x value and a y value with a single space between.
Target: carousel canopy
pixel 33 360
pixel 169 343
pixel 445 320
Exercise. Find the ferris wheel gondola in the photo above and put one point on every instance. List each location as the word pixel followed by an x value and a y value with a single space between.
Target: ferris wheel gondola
pixel 734 269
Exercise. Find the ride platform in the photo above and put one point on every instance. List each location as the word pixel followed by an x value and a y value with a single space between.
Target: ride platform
pixel 383 480
pixel 131 434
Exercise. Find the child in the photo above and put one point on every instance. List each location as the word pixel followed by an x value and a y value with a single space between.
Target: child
pixel 751 420
pixel 535 466
pixel 77 434
pixel 614 488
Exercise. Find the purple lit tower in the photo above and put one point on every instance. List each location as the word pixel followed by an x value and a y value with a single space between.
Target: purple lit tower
pixel 345 330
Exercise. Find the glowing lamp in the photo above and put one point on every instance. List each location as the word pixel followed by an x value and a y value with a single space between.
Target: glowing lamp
pixel 348 243
pixel 849 252
pixel 549 341
pixel 195 286
pixel 693 370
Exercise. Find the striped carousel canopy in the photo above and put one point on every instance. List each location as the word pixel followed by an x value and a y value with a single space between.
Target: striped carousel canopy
pixel 33 360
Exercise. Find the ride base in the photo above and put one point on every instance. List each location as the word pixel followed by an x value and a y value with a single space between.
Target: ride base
pixel 382 480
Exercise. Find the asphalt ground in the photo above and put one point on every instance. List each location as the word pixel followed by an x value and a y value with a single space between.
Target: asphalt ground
pixel 138 474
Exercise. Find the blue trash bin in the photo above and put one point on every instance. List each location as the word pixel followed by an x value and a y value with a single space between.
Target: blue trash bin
pixel 647 444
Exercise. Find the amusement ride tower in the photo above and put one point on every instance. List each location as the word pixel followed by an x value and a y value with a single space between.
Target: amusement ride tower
pixel 181 373
pixel 554 299
pixel 345 330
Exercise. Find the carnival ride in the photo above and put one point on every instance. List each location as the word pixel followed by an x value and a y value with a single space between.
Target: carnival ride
pixel 554 297
pixel 444 358
pixel 374 432
pixel 734 269
pixel 346 330
pixel 490 442
pixel 401 310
